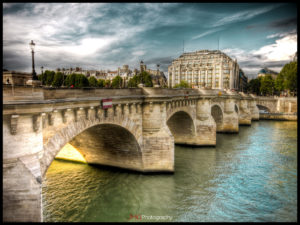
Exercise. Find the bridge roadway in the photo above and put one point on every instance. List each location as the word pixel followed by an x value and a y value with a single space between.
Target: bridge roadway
pixel 138 132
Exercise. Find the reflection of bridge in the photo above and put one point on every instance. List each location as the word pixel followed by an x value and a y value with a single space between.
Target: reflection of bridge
pixel 138 132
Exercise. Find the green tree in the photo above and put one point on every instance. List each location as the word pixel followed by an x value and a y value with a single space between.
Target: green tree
pixel 267 85
pixel 116 82
pixel 49 76
pixel 93 82
pixel 289 73
pixel 182 84
pixel 101 83
pixel 78 80
pixel 133 82
pixel 43 78
pixel 254 86
pixel 58 79
pixel 279 82
pixel 70 80
pixel 146 79
pixel 81 81
pixel 107 83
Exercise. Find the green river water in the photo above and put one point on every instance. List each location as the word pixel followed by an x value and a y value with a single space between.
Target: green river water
pixel 250 176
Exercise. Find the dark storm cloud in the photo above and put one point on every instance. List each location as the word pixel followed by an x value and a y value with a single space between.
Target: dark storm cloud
pixel 258 64
pixel 109 35
pixel 284 23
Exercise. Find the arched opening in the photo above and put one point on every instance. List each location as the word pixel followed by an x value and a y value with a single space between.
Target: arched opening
pixel 103 144
pixel 109 144
pixel 182 127
pixel 236 109
pixel 72 184
pixel 263 109
pixel 217 114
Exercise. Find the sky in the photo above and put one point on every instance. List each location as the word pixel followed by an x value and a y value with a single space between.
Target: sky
pixel 105 36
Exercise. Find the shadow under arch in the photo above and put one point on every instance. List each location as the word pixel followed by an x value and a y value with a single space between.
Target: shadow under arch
pixel 263 109
pixel 217 114
pixel 181 126
pixel 105 143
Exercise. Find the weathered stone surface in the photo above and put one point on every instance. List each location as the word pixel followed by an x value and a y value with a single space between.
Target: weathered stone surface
pixel 137 133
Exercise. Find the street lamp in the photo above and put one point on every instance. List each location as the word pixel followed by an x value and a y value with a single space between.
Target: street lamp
pixel 32 45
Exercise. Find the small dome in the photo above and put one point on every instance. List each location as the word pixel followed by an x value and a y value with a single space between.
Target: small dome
pixel 262 71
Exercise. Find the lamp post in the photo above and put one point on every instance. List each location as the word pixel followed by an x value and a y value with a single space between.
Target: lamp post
pixel 32 45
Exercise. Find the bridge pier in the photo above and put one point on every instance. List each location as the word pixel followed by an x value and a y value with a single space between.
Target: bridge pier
pixel 158 142
pixel 253 109
pixel 205 124
pixel 22 150
pixel 244 113
pixel 230 117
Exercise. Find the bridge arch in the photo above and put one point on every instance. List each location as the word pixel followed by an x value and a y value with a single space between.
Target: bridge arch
pixel 181 126
pixel 217 114
pixel 263 108
pixel 90 137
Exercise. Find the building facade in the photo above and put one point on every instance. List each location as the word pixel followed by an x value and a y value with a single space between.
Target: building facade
pixel 243 81
pixel 211 69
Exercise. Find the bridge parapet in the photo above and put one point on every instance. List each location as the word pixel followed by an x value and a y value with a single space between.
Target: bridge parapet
pixel 284 105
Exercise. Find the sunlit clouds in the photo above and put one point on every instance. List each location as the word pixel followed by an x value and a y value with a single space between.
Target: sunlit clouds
pixel 283 49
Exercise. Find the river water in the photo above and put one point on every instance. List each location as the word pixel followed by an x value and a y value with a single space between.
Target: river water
pixel 249 176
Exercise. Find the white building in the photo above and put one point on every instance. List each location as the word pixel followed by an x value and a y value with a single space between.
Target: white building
pixel 212 69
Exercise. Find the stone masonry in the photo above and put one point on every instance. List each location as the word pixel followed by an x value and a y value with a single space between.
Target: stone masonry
pixel 138 132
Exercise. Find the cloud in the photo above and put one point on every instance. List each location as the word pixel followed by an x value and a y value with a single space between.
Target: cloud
pixel 138 53
pixel 273 56
pixel 292 32
pixel 207 33
pixel 244 15
pixel 283 49
pixel 284 23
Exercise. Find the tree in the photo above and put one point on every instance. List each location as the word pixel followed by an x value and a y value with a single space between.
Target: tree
pixel 182 84
pixel 101 83
pixel 133 82
pixel 58 79
pixel 93 82
pixel 279 82
pixel 107 83
pixel 267 85
pixel 289 74
pixel 254 86
pixel 117 82
pixel 78 80
pixel 81 81
pixel 70 80
pixel 49 76
pixel 145 77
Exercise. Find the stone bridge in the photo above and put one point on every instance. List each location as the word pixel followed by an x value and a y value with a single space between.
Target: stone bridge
pixel 287 105
pixel 138 132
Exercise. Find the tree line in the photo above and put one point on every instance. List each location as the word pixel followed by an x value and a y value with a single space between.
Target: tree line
pixel 286 81
pixel 58 79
